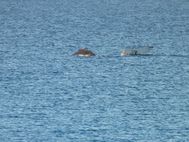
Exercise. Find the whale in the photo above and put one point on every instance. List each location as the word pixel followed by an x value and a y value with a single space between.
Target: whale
pixel 136 51
pixel 83 52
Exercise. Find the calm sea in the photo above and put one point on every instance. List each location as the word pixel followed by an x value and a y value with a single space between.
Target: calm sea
pixel 48 95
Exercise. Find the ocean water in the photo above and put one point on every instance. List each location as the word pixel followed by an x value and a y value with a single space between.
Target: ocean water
pixel 48 95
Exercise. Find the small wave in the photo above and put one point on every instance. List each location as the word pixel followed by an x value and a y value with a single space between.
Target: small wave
pixel 163 55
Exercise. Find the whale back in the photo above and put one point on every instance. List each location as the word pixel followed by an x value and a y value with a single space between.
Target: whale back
pixel 144 50
pixel 136 51
pixel 84 52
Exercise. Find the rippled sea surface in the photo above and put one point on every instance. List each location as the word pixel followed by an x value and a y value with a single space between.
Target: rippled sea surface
pixel 48 95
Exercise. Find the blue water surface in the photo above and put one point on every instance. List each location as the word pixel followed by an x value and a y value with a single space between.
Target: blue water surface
pixel 48 95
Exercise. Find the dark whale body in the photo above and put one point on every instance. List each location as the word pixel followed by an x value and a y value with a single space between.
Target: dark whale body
pixel 84 52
